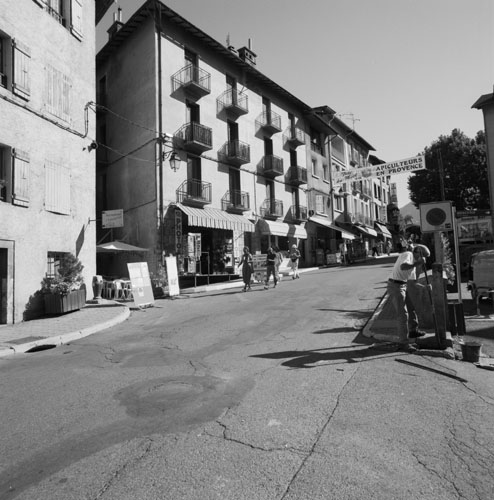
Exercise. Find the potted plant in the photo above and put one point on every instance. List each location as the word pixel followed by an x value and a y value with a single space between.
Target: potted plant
pixel 65 291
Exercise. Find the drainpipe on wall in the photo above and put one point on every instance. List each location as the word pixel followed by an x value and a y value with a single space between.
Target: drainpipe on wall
pixel 157 14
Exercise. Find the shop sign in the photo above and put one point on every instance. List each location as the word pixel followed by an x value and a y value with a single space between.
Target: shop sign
pixel 194 247
pixel 259 266
pixel 178 232
pixel 142 290
pixel 172 275
pixel 112 218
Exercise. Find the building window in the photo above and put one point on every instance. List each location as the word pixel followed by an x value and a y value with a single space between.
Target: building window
pixel 338 149
pixel 53 263
pixel 68 13
pixel 57 188
pixel 320 203
pixel 314 166
pixel 14 176
pixel 57 93
pixel 3 61
pixel 293 157
pixel 325 172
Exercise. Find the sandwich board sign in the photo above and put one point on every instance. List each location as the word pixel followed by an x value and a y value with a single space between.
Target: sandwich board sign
pixel 172 274
pixel 142 291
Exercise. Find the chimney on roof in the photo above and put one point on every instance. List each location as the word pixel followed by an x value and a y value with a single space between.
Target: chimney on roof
pixel 117 24
pixel 247 54
pixel 230 47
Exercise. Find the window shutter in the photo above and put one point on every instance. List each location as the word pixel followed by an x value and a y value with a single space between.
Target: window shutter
pixel 21 171
pixel 57 188
pixel 76 18
pixel 57 93
pixel 319 203
pixel 22 58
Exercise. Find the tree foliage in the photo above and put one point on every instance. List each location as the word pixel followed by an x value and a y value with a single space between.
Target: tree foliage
pixel 464 167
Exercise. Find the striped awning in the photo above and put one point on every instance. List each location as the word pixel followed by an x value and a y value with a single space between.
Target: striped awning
pixel 325 222
pixel 215 218
pixel 277 228
pixel 366 230
pixel 382 229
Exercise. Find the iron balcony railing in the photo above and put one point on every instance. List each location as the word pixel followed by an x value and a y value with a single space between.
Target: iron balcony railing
pixel 317 148
pixel 298 213
pixel 235 152
pixel 233 101
pixel 272 208
pixel 269 121
pixel 297 175
pixel 295 136
pixel 272 165
pixel 195 137
pixel 194 192
pixel 193 79
pixel 235 201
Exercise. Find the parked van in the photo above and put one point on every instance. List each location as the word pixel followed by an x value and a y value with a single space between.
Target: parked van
pixel 481 274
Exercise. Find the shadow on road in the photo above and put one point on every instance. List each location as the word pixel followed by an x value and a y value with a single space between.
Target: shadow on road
pixel 333 355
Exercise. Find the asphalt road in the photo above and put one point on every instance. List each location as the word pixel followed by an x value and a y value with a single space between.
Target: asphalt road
pixel 230 395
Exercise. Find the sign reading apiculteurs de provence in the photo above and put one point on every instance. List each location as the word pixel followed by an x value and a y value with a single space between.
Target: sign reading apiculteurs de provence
pixel 393 168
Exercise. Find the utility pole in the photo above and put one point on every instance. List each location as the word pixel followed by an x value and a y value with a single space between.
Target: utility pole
pixel 441 175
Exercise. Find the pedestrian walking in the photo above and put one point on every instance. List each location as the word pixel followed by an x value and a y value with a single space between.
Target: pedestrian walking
pixel 246 263
pixel 397 288
pixel 279 260
pixel 294 260
pixel 388 247
pixel 375 251
pixel 270 268
pixel 343 252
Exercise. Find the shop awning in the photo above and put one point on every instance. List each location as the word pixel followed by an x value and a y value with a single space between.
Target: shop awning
pixel 383 229
pixel 366 230
pixel 118 246
pixel 325 222
pixel 277 228
pixel 215 218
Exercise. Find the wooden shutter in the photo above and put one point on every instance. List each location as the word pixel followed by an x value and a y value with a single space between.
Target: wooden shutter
pixel 57 188
pixel 20 195
pixel 21 78
pixel 76 18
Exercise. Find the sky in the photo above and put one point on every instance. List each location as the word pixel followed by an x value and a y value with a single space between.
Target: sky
pixel 401 72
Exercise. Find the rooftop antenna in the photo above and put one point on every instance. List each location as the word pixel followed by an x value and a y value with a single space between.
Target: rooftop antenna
pixel 352 117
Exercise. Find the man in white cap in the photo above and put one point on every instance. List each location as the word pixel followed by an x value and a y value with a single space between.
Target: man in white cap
pixel 413 321
pixel 404 267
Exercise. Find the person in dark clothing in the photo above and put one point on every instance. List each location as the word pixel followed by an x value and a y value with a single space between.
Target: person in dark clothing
pixel 246 263
pixel 270 268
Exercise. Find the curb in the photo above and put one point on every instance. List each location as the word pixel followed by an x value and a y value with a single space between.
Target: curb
pixel 65 338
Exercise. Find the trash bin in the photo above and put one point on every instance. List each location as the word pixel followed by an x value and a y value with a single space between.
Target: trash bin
pixel 470 351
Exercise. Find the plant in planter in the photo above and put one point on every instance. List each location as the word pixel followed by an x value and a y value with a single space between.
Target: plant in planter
pixel 66 291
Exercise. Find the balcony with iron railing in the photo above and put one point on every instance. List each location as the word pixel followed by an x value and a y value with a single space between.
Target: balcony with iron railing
pixel 233 102
pixel 195 137
pixel 298 213
pixel 363 219
pixel 235 153
pixel 316 148
pixel 193 80
pixel 194 192
pixel 269 121
pixel 294 136
pixel 56 14
pixel 235 201
pixel 272 209
pixel 271 166
pixel 297 175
